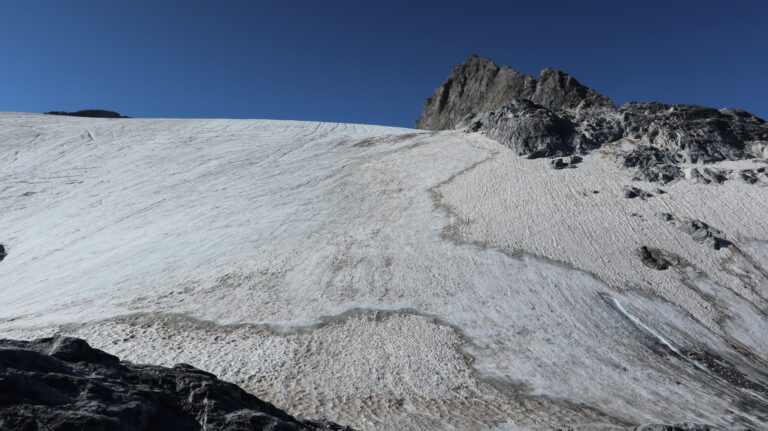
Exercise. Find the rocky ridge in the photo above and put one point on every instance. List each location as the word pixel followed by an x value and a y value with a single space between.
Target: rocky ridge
pixel 62 383
pixel 556 116
pixel 479 85
pixel 90 113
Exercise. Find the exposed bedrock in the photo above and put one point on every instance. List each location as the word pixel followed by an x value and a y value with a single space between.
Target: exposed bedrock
pixel 555 116
pixel 651 164
pixel 528 129
pixel 698 230
pixel 479 85
pixel 664 134
pixel 91 113
pixel 658 259
pixel 62 383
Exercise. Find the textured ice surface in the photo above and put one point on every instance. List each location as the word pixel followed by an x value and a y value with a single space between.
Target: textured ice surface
pixel 385 278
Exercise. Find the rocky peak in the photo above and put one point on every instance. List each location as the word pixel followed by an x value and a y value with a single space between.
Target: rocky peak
pixel 558 90
pixel 479 85
pixel 556 116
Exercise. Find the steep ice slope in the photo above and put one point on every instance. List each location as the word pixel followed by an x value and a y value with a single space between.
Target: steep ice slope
pixel 385 278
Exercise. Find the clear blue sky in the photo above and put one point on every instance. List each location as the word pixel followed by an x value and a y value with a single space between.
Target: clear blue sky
pixel 366 61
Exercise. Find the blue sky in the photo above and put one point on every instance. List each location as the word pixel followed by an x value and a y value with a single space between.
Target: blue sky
pixel 365 61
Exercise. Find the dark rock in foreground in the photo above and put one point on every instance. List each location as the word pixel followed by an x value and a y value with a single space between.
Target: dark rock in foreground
pixel 63 384
pixel 92 113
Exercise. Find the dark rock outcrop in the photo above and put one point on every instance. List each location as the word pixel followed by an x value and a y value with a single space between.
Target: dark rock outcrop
pixel 93 113
pixel 631 192
pixel 664 134
pixel 651 164
pixel 558 90
pixel 698 230
pixel 479 85
pixel 695 133
pixel 528 129
pixel 63 384
pixel 565 162
pixel 709 176
pixel 657 259
pixel 3 253
pixel 555 116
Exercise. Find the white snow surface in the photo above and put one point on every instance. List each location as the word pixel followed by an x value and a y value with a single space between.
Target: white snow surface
pixel 386 278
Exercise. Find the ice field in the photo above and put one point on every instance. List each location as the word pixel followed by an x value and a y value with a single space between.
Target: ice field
pixel 387 278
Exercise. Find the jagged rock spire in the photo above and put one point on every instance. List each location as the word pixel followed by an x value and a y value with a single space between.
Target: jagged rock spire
pixel 479 85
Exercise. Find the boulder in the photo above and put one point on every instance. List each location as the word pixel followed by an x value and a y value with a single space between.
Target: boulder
pixel 62 383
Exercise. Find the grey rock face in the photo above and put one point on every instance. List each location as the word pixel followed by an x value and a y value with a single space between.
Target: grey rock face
pixel 555 116
pixel 63 384
pixel 558 90
pixel 668 134
pixel 479 85
pixel 696 133
pixel 527 128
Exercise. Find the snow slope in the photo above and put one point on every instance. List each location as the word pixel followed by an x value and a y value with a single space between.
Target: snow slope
pixel 386 278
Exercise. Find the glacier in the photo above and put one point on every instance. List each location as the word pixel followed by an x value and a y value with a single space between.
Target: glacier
pixel 387 278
